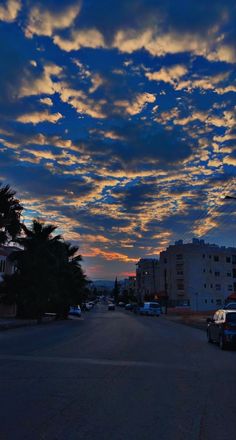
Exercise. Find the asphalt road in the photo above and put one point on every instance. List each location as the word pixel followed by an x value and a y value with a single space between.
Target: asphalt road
pixel 116 376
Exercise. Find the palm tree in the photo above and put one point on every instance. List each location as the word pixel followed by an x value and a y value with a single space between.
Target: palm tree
pixel 34 279
pixel 49 276
pixel 10 212
pixel 71 279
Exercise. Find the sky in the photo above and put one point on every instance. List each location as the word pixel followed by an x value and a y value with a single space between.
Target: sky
pixel 117 123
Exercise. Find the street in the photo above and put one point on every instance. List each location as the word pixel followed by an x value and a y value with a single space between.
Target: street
pixel 115 375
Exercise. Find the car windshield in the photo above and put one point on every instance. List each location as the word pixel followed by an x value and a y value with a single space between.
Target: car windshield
pixel 154 305
pixel 231 317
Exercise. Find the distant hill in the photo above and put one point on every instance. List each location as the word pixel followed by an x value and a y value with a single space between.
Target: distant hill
pixel 106 283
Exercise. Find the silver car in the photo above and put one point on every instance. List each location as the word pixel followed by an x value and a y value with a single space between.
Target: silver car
pixel 75 311
pixel 150 309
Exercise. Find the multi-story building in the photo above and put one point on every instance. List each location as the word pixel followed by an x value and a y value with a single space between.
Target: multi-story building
pixel 198 274
pixel 147 274
pixel 6 267
pixel 128 286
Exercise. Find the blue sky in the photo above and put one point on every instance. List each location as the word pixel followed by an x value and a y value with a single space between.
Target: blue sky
pixel 117 122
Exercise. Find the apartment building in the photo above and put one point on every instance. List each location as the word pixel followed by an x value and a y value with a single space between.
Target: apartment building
pixel 198 274
pixel 129 284
pixel 6 267
pixel 147 275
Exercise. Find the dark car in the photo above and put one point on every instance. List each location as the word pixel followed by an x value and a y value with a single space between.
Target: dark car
pixel 111 306
pixel 129 306
pixel 222 328
pixel 121 304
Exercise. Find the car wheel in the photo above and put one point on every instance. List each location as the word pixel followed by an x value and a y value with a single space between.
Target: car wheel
pixel 209 338
pixel 222 343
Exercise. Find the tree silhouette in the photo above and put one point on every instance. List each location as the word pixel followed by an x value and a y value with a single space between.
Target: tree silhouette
pixel 10 212
pixel 116 291
pixel 48 276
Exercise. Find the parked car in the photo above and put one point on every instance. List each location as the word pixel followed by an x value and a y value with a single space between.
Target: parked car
pixel 121 304
pixel 230 306
pixel 222 328
pixel 111 306
pixel 86 306
pixel 129 306
pixel 150 309
pixel 75 311
pixel 136 308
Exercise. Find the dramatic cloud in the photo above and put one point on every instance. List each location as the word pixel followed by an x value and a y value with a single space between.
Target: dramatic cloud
pixel 135 107
pixel 169 75
pixel 118 123
pixel 37 117
pixel 10 10
pixel 85 38
pixel 43 21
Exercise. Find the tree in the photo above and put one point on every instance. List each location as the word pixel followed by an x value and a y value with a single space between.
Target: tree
pixel 116 291
pixel 48 277
pixel 10 212
pixel 71 280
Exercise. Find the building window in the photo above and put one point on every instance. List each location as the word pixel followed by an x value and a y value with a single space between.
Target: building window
pixel 234 259
pixel 218 302
pixel 218 286
pixel 212 301
pixel 180 284
pixel 209 256
pixel 204 270
pixel 210 271
pixel 211 286
pixel 216 258
pixel 165 260
pixel 217 274
pixel 230 287
pixel 203 255
pixel 179 266
pixel 180 272
pixel 228 259
pixel 205 301
pixel 229 274
pixel 205 286
pixel 179 257
pixel 234 273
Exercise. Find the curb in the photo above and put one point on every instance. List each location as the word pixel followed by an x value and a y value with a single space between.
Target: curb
pixel 17 324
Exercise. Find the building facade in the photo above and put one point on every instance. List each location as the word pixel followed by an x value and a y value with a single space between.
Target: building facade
pixel 147 278
pixel 6 267
pixel 198 274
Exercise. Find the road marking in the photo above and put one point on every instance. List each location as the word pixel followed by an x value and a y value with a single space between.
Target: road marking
pixel 92 361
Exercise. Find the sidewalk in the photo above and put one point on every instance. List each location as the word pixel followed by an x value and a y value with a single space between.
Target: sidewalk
pixel 187 317
pixel 8 323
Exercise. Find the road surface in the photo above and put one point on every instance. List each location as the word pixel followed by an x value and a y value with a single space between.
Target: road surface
pixel 117 376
